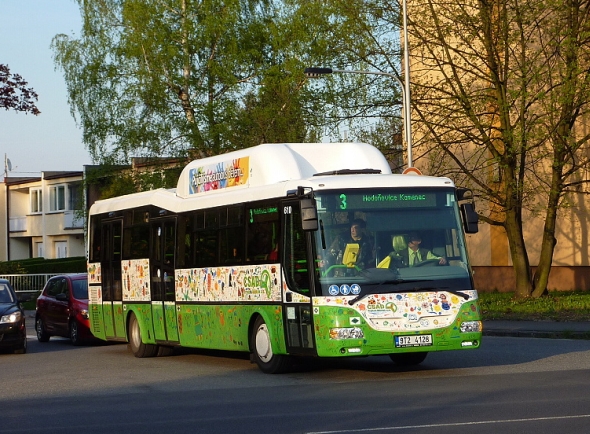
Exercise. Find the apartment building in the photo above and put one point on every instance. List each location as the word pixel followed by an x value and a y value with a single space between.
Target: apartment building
pixel 42 216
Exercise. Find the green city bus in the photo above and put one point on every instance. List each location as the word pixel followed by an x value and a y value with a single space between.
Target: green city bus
pixel 252 251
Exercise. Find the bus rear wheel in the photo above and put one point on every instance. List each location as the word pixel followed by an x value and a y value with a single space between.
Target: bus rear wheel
pixel 408 359
pixel 138 348
pixel 262 353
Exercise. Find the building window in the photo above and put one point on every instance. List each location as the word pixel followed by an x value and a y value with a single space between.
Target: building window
pixel 74 197
pixel 36 201
pixel 57 198
pixel 39 248
pixel 61 249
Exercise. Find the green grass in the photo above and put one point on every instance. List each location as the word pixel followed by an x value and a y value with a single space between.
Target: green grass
pixel 556 306
pixel 29 305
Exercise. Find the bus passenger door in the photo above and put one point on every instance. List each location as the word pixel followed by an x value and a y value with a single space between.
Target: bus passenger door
pixel 297 307
pixel 162 279
pixel 112 291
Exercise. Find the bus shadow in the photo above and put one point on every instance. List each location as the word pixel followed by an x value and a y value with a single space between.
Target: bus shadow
pixel 496 352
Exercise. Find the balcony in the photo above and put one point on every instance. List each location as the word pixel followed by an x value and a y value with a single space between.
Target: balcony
pixel 17 224
pixel 73 220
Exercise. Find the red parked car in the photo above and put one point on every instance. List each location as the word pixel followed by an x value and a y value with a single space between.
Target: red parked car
pixel 62 309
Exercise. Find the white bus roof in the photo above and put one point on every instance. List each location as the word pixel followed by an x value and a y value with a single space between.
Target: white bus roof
pixel 270 170
pixel 278 162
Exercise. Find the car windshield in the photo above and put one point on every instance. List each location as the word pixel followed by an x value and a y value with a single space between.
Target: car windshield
pixel 80 289
pixel 390 240
pixel 5 294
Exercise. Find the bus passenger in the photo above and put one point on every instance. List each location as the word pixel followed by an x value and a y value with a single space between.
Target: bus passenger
pixel 414 255
pixel 366 254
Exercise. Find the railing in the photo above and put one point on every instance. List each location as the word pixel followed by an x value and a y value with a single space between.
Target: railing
pixel 27 285
pixel 18 224
pixel 73 219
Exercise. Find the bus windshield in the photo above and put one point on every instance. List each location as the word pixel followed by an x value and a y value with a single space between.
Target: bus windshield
pixel 389 240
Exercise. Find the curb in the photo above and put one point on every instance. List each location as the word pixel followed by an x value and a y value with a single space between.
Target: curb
pixel 564 334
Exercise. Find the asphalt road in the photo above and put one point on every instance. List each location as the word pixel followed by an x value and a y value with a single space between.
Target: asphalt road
pixel 510 385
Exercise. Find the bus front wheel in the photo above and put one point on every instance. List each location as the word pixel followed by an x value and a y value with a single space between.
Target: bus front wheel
pixel 407 359
pixel 261 348
pixel 138 348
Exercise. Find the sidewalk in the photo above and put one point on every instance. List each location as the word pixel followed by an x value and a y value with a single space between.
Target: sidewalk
pixel 538 329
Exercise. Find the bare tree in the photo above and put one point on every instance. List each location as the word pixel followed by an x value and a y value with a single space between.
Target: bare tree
pixel 501 93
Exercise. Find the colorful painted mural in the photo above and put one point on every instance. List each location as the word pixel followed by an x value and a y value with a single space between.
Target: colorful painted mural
pixel 402 312
pixel 222 175
pixel 94 273
pixel 239 283
pixel 94 283
pixel 135 275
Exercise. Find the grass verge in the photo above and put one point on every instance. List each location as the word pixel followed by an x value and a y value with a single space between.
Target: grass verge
pixel 556 306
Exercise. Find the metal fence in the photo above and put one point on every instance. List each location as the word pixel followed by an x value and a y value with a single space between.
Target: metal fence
pixel 27 285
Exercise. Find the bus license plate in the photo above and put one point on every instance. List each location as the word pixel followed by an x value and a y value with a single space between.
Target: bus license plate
pixel 413 341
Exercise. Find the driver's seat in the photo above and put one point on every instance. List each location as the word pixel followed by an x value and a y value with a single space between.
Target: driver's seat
pixel 399 244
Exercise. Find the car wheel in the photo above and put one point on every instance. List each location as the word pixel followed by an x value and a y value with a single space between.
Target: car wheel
pixel 75 333
pixel 42 335
pixel 408 359
pixel 138 348
pixel 261 348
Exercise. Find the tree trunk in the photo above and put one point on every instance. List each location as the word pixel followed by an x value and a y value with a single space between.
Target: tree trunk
pixel 541 276
pixel 519 256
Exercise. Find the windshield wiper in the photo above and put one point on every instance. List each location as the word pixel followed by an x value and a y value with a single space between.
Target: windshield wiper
pixel 415 289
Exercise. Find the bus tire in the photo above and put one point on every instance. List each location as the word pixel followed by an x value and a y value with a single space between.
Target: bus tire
pixel 138 348
pixel 408 359
pixel 261 348
pixel 165 351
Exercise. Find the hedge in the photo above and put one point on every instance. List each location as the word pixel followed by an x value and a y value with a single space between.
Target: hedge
pixel 44 266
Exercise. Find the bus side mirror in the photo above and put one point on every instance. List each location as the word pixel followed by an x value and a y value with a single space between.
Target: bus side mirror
pixel 470 218
pixel 309 215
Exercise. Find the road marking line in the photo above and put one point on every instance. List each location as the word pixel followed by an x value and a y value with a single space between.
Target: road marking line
pixel 440 425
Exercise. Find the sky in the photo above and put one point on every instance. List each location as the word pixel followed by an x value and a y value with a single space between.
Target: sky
pixel 50 141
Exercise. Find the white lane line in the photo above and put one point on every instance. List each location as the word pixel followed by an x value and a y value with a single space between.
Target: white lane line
pixel 440 425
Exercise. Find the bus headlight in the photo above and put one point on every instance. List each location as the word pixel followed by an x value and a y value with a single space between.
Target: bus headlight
pixel 346 333
pixel 471 326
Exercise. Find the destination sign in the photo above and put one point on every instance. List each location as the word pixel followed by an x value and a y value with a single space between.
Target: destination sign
pixel 388 200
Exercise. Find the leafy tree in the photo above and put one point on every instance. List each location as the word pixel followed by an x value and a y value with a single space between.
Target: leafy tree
pixel 192 78
pixel 368 107
pixel 14 95
pixel 151 78
pixel 501 89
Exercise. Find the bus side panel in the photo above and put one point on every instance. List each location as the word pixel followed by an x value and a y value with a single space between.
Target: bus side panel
pixel 143 313
pixel 107 311
pixel 99 324
pixel 171 322
pixel 226 327
pixel 158 315
pixel 120 331
pixel 96 315
pixel 374 342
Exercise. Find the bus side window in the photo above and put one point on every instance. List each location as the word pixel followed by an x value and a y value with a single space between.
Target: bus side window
pixel 95 241
pixel 262 227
